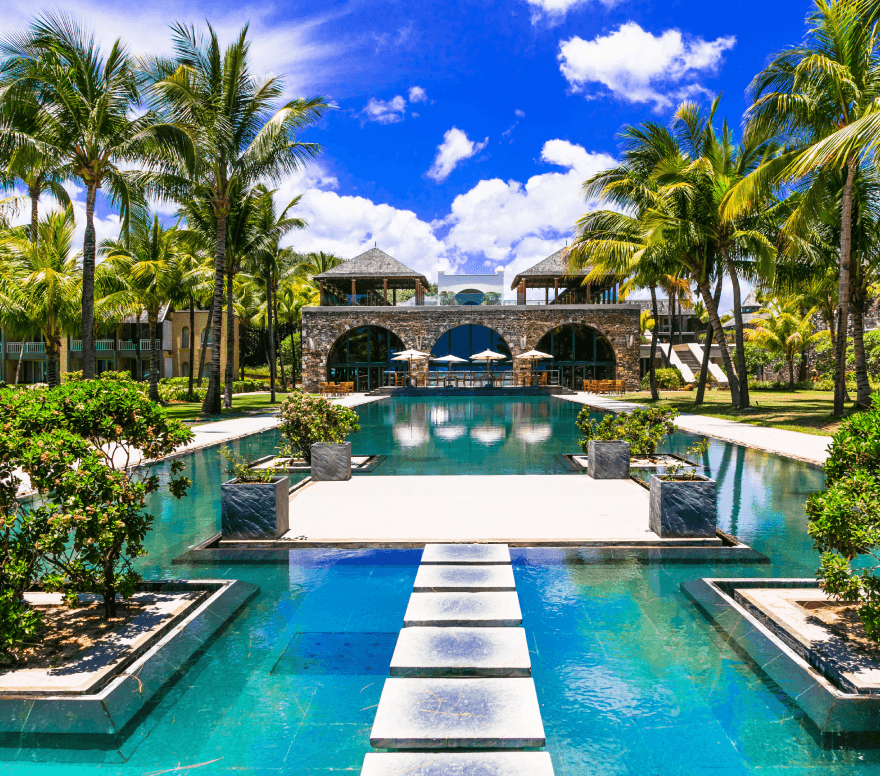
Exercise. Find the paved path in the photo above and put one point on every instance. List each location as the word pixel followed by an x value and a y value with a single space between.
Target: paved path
pixel 809 448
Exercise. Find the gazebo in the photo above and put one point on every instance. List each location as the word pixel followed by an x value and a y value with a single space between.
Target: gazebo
pixel 552 273
pixel 366 280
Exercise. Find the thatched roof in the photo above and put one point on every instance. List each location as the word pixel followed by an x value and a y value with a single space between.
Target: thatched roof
pixel 554 266
pixel 375 264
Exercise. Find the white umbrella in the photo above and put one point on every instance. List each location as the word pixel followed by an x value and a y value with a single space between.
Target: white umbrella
pixel 450 359
pixel 533 355
pixel 489 356
pixel 409 356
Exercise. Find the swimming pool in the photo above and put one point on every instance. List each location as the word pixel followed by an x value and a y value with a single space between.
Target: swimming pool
pixel 631 678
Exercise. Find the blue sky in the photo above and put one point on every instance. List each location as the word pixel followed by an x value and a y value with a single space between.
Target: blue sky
pixel 464 129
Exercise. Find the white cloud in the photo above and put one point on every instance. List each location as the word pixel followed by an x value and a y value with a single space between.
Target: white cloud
pixel 418 94
pixel 520 114
pixel 385 112
pixel 637 66
pixel 455 148
pixel 554 11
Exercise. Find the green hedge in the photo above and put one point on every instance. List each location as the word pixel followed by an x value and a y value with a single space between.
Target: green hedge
pixel 667 380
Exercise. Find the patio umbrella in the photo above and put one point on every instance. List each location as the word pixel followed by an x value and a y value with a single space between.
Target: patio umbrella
pixel 489 356
pixel 450 359
pixel 409 356
pixel 533 355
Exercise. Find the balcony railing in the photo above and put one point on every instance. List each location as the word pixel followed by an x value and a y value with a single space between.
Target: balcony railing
pixel 145 344
pixel 76 346
pixel 14 348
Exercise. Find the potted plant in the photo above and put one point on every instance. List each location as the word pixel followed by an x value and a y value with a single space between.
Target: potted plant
pixel 315 429
pixel 682 503
pixel 255 503
pixel 610 442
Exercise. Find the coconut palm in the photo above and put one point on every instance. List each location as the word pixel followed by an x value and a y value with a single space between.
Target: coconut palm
pixel 142 272
pixel 786 333
pixel 237 137
pixel 820 97
pixel 196 280
pixel 311 264
pixel 42 282
pixel 84 105
pixel 293 295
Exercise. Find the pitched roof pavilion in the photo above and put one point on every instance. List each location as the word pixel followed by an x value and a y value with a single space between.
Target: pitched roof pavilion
pixel 375 265
pixel 555 266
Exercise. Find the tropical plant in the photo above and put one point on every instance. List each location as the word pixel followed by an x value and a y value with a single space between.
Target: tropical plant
pixel 786 333
pixel 236 137
pixel 141 273
pixel 667 379
pixel 643 429
pixel 307 420
pixel 244 469
pixel 43 281
pixel 646 324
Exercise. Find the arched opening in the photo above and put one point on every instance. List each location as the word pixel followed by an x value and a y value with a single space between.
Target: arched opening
pixel 184 369
pixel 468 339
pixel 362 355
pixel 206 336
pixel 469 296
pixel 579 353
pixel 184 337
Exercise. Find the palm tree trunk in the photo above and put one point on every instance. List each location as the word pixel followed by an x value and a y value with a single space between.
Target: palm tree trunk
pixel 138 371
pixel 844 289
pixel 52 346
pixel 18 365
pixel 712 309
pixel 301 359
pixel 88 285
pixel 192 342
pixel 280 336
pixel 270 333
pixel 211 404
pixel 230 342
pixel 707 350
pixel 738 333
pixel 790 374
pixel 208 327
pixel 34 194
pixel 152 319
pixel 863 385
pixel 652 371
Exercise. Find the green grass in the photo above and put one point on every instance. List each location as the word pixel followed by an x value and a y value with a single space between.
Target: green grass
pixel 805 411
pixel 246 404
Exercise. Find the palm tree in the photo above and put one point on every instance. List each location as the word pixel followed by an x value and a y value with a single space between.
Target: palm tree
pixel 45 281
pixel 294 293
pixel 787 333
pixel 142 272
pixel 646 324
pixel 237 137
pixel 820 99
pixel 196 275
pixel 84 103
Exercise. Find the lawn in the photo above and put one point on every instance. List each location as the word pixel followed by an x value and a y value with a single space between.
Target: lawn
pixel 806 411
pixel 243 404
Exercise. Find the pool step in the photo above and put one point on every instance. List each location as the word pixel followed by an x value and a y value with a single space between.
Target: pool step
pixel 458 764
pixel 457 713
pixel 464 578
pixel 486 554
pixel 447 652
pixel 466 610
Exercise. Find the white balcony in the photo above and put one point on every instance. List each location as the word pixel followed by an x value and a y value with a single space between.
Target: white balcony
pixel 14 348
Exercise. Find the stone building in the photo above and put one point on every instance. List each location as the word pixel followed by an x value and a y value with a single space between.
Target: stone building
pixel 359 327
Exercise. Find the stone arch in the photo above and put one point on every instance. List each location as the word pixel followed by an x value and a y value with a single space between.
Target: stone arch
pixel 580 352
pixel 362 354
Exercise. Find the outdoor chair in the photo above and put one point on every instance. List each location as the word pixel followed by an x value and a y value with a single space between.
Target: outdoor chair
pixel 420 380
pixel 399 379
pixel 542 378
pixel 620 386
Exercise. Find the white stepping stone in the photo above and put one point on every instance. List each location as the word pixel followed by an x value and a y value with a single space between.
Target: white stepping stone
pixel 456 713
pixel 465 553
pixel 442 652
pixel 464 578
pixel 494 610
pixel 457 764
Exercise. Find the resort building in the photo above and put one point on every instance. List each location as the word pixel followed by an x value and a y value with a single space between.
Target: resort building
pixel 363 322
pixel 470 289
pixel 125 348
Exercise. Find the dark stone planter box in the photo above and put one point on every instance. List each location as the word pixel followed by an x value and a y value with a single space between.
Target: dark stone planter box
pixel 680 509
pixel 331 462
pixel 255 510
pixel 608 460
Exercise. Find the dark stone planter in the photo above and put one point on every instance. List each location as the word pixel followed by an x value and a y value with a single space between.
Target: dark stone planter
pixel 255 510
pixel 682 509
pixel 331 462
pixel 608 460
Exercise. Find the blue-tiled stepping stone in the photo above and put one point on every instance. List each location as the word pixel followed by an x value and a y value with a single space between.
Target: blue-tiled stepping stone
pixel 464 578
pixel 461 652
pixel 463 609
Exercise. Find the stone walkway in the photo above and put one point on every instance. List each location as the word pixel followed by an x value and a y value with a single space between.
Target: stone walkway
pixel 809 448
pixel 460 675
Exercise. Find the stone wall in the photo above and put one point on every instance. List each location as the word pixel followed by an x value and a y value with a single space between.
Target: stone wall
pixel 420 327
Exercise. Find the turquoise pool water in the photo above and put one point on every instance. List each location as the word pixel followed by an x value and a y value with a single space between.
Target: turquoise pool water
pixel 631 678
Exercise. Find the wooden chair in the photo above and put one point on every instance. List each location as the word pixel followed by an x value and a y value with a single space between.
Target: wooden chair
pixel 542 378
pixel 399 379
pixel 420 380
pixel 620 386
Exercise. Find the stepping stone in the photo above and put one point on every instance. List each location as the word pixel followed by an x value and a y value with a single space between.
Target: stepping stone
pixel 494 610
pixel 465 553
pixel 456 713
pixel 464 578
pixel 458 764
pixel 461 652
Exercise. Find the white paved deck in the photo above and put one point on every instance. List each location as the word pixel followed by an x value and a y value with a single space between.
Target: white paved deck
pixel 425 509
pixel 791 444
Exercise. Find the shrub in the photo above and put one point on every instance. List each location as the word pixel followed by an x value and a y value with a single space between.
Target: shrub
pixel 249 386
pixel 308 419
pixel 643 429
pixel 667 380
pixel 845 517
pixel 79 444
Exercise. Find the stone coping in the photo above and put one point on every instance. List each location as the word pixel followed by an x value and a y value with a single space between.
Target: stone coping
pixel 359 463
pixel 106 717
pixel 832 708
pixel 578 462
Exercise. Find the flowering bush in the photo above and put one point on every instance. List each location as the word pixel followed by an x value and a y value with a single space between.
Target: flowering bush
pixel 844 522
pixel 643 429
pixel 307 419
